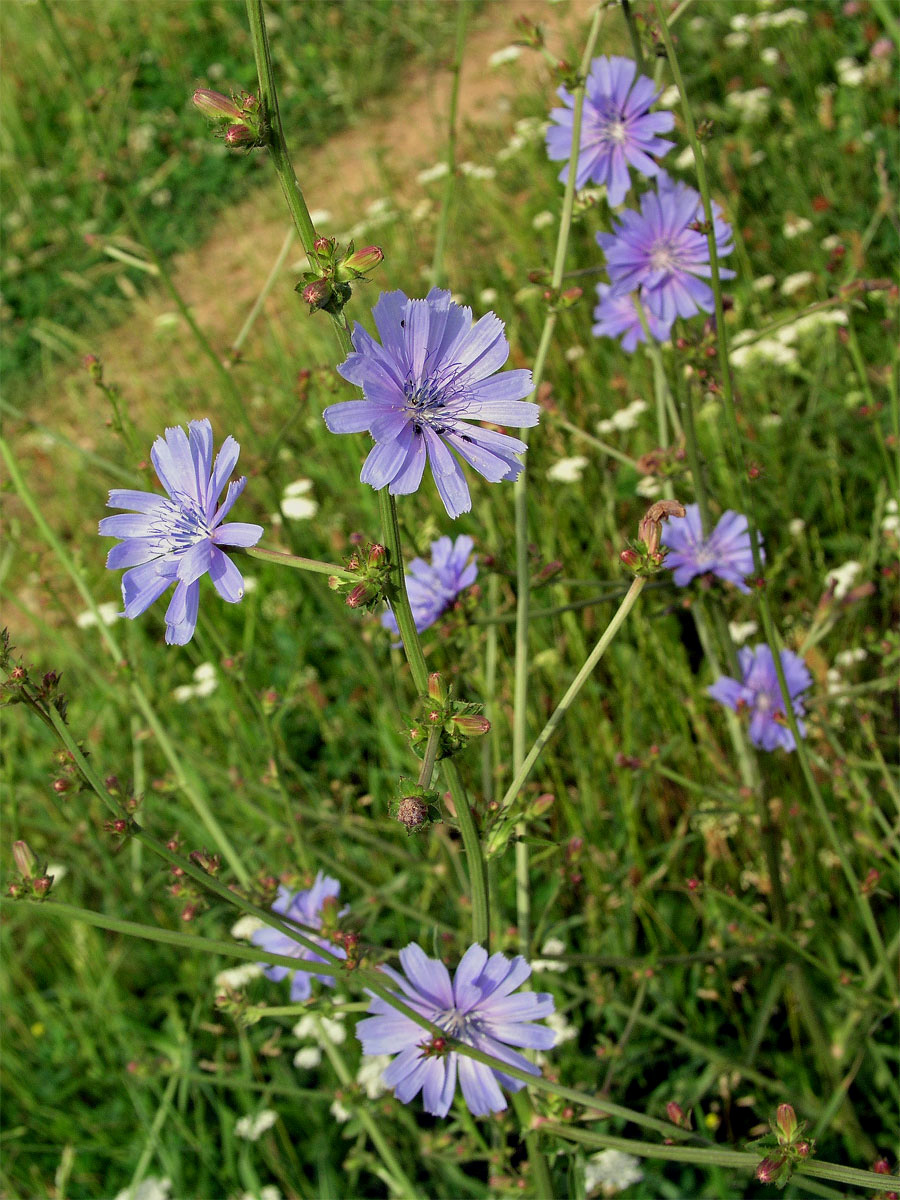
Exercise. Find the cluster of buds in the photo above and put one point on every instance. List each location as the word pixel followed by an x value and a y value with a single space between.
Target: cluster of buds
pixel 182 887
pixel 645 556
pixel 326 284
pixel 558 300
pixel 529 33
pixel 665 462
pixel 368 572
pixel 210 863
pixel 19 687
pixel 456 720
pixel 33 882
pixel 416 808
pixel 567 75
pixel 241 120
pixel 789 1146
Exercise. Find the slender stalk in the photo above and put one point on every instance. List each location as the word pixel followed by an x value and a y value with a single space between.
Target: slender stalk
pixel 633 35
pixel 502 827
pixel 296 563
pixel 401 1183
pixel 734 434
pixel 520 495
pixel 260 300
pixel 440 243
pixel 541 1183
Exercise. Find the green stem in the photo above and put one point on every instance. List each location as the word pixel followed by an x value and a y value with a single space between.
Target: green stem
pixel 520 494
pixel 296 563
pixel 401 1182
pixel 440 243
pixel 431 752
pixel 734 434
pixel 478 882
pixel 541 1183
pixel 502 827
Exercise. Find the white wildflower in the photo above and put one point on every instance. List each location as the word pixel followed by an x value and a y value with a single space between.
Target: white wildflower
pixel 108 613
pixel 315 1028
pixel 740 22
pixel 846 658
pixel 252 1127
pixel 542 219
pixel 296 504
pixel 338 1111
pixel 736 40
pixel 670 97
pixel 769 56
pixel 741 630
pixel 831 242
pixel 795 226
pixel 796 282
pixel 649 487
pixel 245 927
pixel 370 1072
pixel 783 18
pixel 574 353
pixel 206 680
pixel 150 1188
pixel 57 871
pixel 890 522
pixel 842 578
pixel 796 526
pixel 764 283
pixel 849 72
pixel 752 105
pixel 308 1057
pixel 512 148
pixel 685 160
pixel 553 947
pixel 487 297
pixel 565 1032
pixel 532 129
pixel 269 1192
pixel 507 55
pixel 251 583
pixel 766 350
pixel 568 470
pixel 476 171
pixel 611 1169
pixel 235 978
pixel 432 174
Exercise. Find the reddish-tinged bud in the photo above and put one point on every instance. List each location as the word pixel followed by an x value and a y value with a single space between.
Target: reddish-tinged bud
pixel 675 1113
pixel 189 912
pixel 473 726
pixel 802 1149
pixel 24 859
pixel 786 1123
pixel 693 884
pixel 317 293
pixel 770 1168
pixel 41 885
pixel 376 555
pixel 359 263
pixel 881 1166
pixel 543 804
pixel 322 245
pixel 239 135
pixel 358 596
pixel 216 106
pixel 18 674
pixel 571 296
pixel 61 786
pixel 630 558
pixel 436 690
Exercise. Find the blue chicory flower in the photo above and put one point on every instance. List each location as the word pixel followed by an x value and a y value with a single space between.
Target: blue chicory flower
pixel 477 1008
pixel 617 314
pixel 305 907
pixel 177 538
pixel 726 553
pixel 660 251
pixel 432 587
pixel 617 128
pixel 423 386
pixel 758 692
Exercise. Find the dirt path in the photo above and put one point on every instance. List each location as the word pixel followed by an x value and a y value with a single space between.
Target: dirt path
pixel 222 278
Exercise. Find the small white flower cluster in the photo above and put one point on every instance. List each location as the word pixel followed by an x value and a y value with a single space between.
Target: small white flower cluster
pixel 528 129
pixel 567 470
pixel 796 282
pixel 206 680
pixel 625 419
pixel 779 349
pixel 552 947
pixel 611 1170
pixel 268 1192
pixel 842 578
pixel 741 630
pixel 543 220
pixel 318 1030
pixel 150 1188
pixel 254 1125
pixel 768 20
pixel 235 978
pixel 752 105
pixel 476 171
pixel 107 614
pixel 296 504
pixel 890 522
pixel 507 54
pixel 850 73
pixel 432 174
pixel 795 226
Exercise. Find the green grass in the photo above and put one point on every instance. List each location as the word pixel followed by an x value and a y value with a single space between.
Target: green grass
pixel 116 1058
pixel 62 192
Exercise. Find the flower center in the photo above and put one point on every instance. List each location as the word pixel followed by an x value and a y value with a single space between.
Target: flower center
pixel 180 525
pixel 457 1024
pixel 763 702
pixel 663 256
pixel 616 132
pixel 427 400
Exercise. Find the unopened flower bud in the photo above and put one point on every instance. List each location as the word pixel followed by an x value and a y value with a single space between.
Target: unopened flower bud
pixel 317 293
pixel 24 859
pixel 436 689
pixel 471 726
pixel 41 885
pixel 322 245
pixel 376 555
pixel 543 804
pixel 359 596
pixel 786 1123
pixel 239 135
pixel 630 557
pixel 675 1113
pixel 215 105
pixel 359 263
pixel 770 1168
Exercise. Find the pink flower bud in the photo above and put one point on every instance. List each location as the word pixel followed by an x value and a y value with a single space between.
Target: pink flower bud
pixel 24 859
pixel 317 293
pixel 360 263
pixel 675 1113
pixel 770 1168
pixel 216 106
pixel 473 726
pixel 436 689
pixel 786 1123
pixel 239 135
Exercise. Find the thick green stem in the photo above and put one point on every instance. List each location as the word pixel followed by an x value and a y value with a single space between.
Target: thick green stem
pixel 765 610
pixel 296 563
